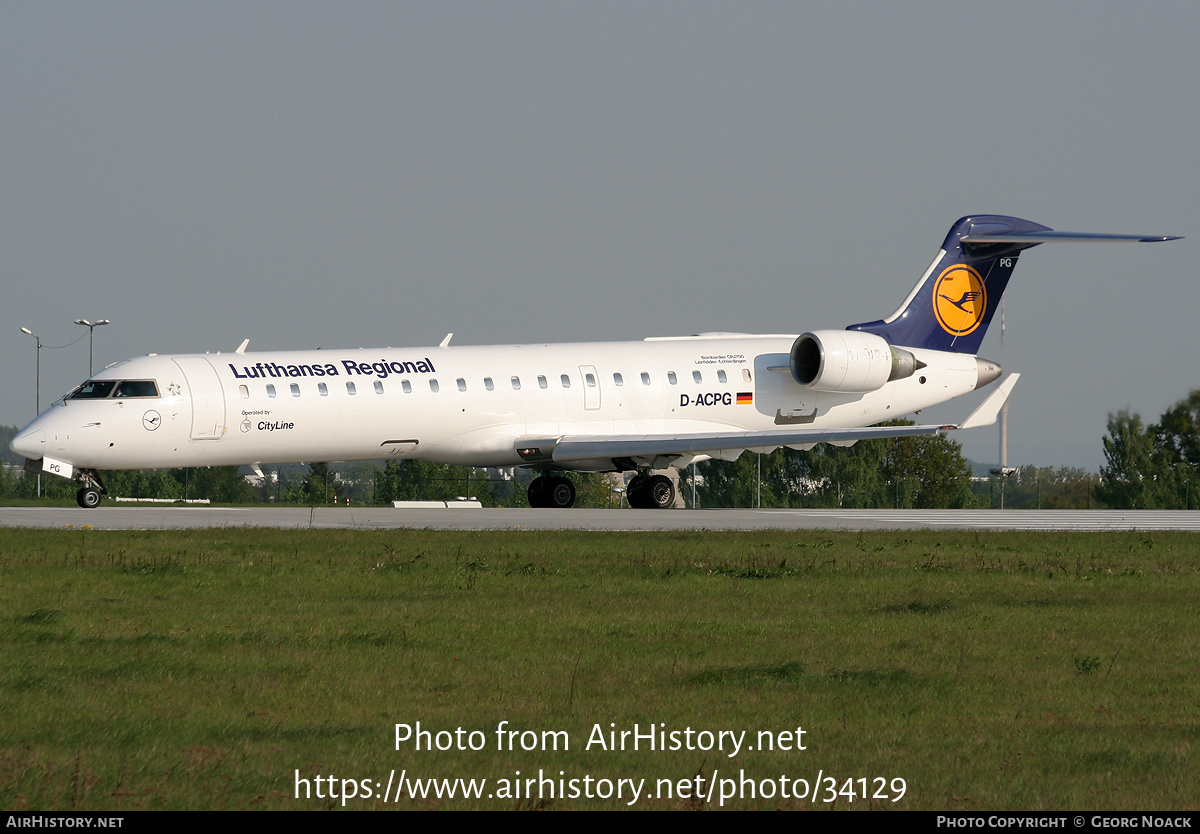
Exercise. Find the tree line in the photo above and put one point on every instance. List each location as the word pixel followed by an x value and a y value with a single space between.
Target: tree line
pixel 1153 467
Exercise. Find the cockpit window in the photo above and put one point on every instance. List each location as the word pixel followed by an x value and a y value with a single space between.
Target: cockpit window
pixel 93 390
pixel 98 389
pixel 136 388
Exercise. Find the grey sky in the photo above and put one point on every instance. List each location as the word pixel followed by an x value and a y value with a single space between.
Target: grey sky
pixel 371 174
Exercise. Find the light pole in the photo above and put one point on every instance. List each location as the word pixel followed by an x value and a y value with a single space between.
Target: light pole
pixel 38 377
pixel 38 403
pixel 91 332
pixel 38 390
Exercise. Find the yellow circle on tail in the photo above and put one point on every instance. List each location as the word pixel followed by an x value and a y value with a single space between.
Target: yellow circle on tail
pixel 959 299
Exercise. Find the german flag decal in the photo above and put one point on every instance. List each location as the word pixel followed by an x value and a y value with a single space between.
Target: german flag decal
pixel 745 398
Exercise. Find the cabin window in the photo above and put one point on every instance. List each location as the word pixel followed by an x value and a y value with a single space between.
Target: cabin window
pixel 590 379
pixel 136 388
pixel 618 380
pixel 696 378
pixel 745 374
pixel 433 385
pixel 271 391
pixel 462 384
pixel 295 389
pixel 566 380
pixel 516 383
pixel 378 387
pixel 93 390
pixel 243 392
pixel 645 378
pixel 541 381
pixel 487 383
pixel 322 389
pixel 350 389
pixel 406 386
pixel 671 378
pixel 721 377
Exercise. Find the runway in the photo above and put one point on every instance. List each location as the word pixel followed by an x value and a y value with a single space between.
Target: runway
pixel 387 518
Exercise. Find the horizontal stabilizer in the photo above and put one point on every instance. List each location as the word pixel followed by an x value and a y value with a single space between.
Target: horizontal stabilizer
pixel 1049 236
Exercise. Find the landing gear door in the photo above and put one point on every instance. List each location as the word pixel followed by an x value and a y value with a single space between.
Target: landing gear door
pixel 208 398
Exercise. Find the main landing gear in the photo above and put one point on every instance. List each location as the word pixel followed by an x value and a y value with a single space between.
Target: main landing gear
pixel 645 492
pixel 89 494
pixel 553 491
pixel 650 492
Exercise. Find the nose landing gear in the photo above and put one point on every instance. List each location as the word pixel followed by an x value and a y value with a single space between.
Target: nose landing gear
pixel 89 494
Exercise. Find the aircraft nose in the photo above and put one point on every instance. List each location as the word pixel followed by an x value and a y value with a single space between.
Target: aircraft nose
pixel 29 442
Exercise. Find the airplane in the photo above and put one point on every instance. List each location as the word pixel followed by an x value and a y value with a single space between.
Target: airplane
pixel 641 407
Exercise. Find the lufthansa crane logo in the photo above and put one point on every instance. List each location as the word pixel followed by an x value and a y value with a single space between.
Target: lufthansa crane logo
pixel 959 300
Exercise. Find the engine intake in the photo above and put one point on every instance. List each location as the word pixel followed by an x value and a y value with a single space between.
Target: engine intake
pixel 848 361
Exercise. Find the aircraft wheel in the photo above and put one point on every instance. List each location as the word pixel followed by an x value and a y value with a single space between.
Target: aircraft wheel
pixel 559 493
pixel 659 493
pixel 537 492
pixel 635 493
pixel 88 498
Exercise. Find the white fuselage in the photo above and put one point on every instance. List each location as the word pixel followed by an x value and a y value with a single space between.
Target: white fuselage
pixel 460 405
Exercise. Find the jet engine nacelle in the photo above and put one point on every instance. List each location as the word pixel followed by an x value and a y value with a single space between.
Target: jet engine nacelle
pixel 848 361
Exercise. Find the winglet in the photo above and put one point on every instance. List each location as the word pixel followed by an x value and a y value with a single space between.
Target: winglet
pixel 986 414
pixel 242 347
pixel 446 341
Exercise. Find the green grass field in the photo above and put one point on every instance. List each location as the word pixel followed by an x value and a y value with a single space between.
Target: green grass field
pixel 211 669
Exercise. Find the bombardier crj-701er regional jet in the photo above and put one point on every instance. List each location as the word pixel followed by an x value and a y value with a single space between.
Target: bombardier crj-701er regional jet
pixel 601 406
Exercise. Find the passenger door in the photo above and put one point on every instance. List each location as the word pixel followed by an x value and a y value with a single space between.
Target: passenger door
pixel 208 398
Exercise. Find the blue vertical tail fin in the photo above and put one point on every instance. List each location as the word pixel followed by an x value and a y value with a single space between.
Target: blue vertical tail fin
pixel 951 307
